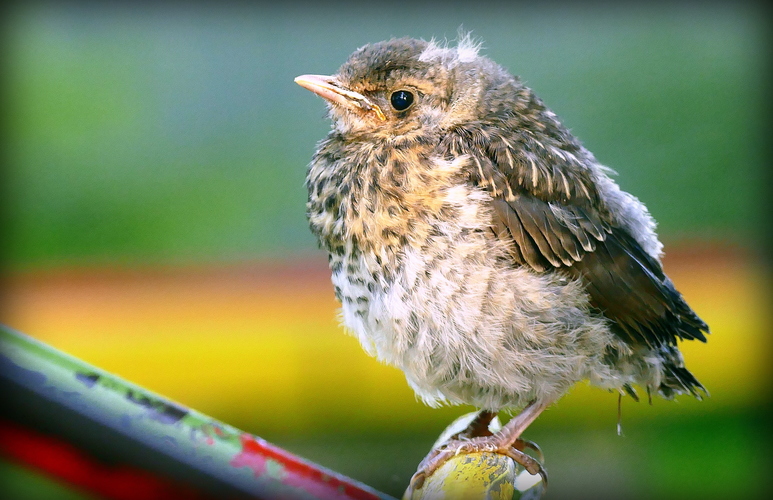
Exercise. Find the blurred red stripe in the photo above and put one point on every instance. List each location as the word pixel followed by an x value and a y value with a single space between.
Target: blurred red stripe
pixel 64 462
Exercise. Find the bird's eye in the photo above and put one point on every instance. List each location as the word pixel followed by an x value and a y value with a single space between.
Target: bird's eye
pixel 401 100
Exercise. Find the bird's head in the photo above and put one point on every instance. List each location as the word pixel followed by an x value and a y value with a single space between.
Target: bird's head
pixel 398 86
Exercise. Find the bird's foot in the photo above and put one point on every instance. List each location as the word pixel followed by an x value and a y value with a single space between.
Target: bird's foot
pixel 492 444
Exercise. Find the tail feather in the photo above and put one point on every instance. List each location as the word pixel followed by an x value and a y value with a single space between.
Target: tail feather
pixel 676 378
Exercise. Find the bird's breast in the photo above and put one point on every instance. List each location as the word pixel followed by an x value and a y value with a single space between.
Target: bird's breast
pixel 407 251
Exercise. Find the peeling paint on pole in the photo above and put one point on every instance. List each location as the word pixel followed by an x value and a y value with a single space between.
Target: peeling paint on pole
pixel 239 459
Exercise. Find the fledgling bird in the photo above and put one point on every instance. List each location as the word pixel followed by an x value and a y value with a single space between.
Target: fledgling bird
pixel 476 244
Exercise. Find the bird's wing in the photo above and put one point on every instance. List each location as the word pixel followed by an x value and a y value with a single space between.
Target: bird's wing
pixel 551 213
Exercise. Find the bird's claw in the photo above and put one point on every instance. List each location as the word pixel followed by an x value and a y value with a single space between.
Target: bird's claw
pixel 417 481
pixel 531 464
pixel 442 454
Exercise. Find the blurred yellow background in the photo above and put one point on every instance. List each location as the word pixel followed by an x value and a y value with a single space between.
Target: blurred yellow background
pixel 260 347
pixel 155 221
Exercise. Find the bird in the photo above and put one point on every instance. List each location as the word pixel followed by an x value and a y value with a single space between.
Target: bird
pixel 478 246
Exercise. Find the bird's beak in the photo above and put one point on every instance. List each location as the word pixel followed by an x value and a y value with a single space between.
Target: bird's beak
pixel 329 88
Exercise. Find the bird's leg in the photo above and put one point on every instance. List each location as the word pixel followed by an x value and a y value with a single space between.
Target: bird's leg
pixel 506 442
pixel 511 432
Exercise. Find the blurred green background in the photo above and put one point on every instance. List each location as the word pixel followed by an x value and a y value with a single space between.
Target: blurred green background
pixel 152 140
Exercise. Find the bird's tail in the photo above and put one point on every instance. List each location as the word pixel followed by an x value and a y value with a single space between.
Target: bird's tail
pixel 676 378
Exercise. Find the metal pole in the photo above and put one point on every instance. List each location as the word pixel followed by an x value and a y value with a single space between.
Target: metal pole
pixel 242 460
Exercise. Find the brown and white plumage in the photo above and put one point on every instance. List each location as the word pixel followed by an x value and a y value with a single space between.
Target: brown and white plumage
pixel 477 245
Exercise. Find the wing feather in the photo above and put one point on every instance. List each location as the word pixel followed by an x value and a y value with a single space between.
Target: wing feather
pixel 555 221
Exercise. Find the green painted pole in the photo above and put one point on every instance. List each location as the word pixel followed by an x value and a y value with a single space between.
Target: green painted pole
pixel 247 462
